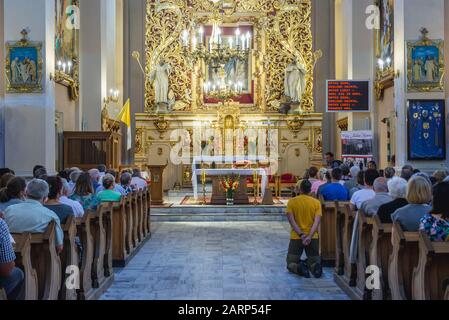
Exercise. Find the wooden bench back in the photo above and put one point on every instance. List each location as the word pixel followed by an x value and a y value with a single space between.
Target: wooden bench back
pixel 432 271
pixel 364 244
pixel 403 259
pixel 119 224
pixel 22 249
pixel 69 257
pixel 47 263
pixel 380 252
pixel 87 242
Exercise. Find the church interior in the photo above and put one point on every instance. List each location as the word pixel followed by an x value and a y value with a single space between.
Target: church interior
pixel 224 150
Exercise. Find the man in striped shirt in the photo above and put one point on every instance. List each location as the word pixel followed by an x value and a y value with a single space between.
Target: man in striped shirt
pixel 11 278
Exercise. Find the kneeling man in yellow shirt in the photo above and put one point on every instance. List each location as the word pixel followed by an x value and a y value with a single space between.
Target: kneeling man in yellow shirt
pixel 304 215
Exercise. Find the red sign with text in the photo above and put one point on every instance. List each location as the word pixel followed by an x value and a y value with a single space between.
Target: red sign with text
pixel 348 96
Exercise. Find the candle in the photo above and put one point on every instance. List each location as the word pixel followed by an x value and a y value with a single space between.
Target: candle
pixel 201 32
pixel 243 42
pixel 59 65
pixel 185 38
pixel 237 36
pixel 230 43
pixel 248 38
pixel 64 66
pixel 194 42
pixel 69 64
pixel 381 64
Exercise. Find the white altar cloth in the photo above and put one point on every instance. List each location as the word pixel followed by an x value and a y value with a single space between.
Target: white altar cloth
pixel 228 172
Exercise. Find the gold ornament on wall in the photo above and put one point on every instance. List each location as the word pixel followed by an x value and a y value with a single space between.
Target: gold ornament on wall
pixel 282 32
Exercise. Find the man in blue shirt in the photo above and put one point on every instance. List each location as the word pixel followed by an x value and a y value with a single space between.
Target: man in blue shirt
pixel 32 216
pixel 11 278
pixel 335 191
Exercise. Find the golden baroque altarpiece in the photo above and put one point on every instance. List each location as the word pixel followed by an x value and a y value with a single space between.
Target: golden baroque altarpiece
pixel 282 32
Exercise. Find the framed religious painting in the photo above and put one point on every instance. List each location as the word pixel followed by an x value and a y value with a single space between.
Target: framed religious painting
pixel 425 64
pixel 426 129
pixel 385 47
pixel 24 66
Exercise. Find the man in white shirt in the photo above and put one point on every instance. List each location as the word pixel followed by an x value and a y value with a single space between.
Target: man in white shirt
pixel 77 208
pixel 138 181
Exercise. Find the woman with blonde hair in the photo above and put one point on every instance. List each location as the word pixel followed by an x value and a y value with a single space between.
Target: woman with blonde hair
pixel 419 196
pixel 321 180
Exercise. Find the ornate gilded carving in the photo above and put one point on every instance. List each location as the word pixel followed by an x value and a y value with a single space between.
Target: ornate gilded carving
pixel 318 138
pixel 282 31
pixel 295 126
pixel 161 125
pixel 139 140
pixel 343 124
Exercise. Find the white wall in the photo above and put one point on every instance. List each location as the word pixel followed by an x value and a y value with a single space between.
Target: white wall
pixel 30 118
pixel 410 17
pixel 98 36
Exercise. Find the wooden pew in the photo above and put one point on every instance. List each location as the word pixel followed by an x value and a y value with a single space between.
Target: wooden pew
pixel 331 234
pixel 349 272
pixel 87 242
pixel 148 209
pixel 380 251
pixel 119 223
pixel 46 262
pixel 129 224
pixel 22 249
pixel 135 213
pixel 99 238
pixel 365 240
pixel 69 257
pixel 108 231
pixel 403 259
pixel 339 238
pixel 432 270
pixel 146 223
pixel 140 213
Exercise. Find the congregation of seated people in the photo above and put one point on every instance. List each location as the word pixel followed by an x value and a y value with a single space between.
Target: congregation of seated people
pixel 29 206
pixel 416 200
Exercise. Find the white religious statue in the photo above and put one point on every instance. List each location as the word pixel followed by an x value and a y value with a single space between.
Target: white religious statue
pixel 295 81
pixel 160 78
pixel 15 70
pixel 430 70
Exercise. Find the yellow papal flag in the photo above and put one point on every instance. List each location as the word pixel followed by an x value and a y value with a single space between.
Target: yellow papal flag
pixel 125 117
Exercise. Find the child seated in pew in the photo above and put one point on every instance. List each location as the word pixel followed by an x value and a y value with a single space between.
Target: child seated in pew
pixel 109 195
pixel 304 214
pixel 11 278
pixel 62 211
pixel 436 223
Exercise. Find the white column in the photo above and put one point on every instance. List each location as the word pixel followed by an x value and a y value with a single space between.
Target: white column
pixel 409 19
pixel 97 59
pixel 354 48
pixel 30 118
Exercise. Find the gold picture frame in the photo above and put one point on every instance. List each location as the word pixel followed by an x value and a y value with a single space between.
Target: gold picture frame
pixel 24 65
pixel 425 64
pixel 384 43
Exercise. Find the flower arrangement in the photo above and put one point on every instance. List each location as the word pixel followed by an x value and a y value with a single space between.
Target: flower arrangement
pixel 230 184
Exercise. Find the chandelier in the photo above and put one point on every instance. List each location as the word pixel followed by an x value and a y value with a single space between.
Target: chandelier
pixel 216 52
pixel 218 49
